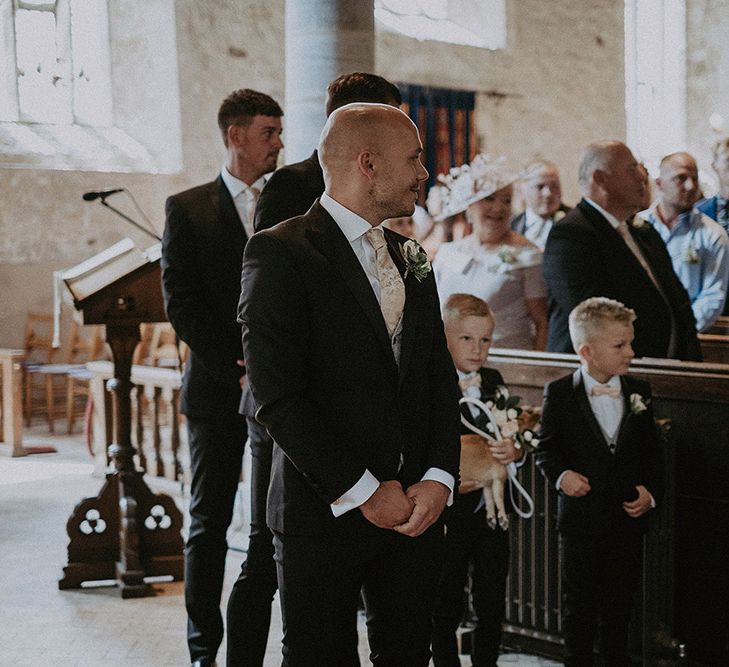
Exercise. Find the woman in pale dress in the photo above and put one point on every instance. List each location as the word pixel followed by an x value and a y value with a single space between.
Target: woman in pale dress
pixel 493 263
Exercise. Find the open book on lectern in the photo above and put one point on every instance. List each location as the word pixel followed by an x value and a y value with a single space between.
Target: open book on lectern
pixel 119 285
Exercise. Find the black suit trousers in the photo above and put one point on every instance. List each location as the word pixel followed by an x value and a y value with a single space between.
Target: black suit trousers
pixel 470 541
pixel 249 604
pixel 600 577
pixel 216 454
pixel 320 579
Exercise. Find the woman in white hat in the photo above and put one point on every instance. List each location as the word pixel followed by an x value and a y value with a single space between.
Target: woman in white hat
pixel 493 263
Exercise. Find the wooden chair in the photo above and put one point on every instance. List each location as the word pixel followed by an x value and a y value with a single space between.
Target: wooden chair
pixel 39 357
pixel 86 344
pixel 64 385
pixel 159 347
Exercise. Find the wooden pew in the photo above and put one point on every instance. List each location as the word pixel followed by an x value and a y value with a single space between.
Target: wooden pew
pixel 689 607
pixel 715 347
pixel 720 327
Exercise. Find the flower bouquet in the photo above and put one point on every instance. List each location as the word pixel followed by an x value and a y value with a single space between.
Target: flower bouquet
pixel 505 418
pixel 498 418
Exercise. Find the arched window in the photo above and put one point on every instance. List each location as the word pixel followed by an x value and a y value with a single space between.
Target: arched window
pixel 57 74
pixel 59 55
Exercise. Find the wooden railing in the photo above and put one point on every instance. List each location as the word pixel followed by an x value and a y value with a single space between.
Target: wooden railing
pixel 12 400
pixel 161 451
pixel 688 605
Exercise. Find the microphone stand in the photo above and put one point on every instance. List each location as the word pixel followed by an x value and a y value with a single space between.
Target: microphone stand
pixel 129 220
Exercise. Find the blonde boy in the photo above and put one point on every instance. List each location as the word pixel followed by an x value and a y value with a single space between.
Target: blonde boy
pixel 469 326
pixel 600 449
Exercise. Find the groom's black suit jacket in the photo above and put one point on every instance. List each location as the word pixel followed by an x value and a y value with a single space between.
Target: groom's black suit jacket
pixel 323 372
pixel 585 256
pixel 571 439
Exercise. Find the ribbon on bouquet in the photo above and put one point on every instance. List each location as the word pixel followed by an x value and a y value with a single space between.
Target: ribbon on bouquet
pixel 510 467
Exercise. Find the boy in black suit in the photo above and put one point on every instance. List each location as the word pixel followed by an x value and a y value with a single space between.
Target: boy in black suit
pixel 600 449
pixel 469 326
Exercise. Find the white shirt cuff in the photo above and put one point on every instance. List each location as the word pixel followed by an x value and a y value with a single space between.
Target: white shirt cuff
pixel 559 480
pixel 438 475
pixel 357 495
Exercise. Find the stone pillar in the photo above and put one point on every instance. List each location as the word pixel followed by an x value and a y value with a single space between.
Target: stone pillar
pixel 324 38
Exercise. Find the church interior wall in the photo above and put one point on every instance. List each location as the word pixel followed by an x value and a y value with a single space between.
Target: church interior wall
pixel 558 85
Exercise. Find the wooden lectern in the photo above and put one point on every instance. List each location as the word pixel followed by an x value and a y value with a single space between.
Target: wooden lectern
pixel 126 532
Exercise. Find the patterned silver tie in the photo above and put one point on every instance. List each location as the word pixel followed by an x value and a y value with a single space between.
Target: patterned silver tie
pixel 392 288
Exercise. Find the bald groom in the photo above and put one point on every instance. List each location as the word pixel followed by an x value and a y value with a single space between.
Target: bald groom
pixel 347 359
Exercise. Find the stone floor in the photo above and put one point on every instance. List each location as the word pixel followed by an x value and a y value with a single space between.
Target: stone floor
pixel 43 626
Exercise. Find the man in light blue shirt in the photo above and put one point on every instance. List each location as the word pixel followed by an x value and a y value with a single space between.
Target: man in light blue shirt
pixel 698 246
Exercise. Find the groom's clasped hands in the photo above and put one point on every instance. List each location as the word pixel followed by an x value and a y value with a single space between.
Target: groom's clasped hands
pixel 410 512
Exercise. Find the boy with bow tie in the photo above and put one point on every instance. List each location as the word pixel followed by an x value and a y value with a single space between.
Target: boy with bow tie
pixel 599 447
pixel 469 326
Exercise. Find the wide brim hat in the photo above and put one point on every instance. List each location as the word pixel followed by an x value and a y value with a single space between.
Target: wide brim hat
pixel 467 184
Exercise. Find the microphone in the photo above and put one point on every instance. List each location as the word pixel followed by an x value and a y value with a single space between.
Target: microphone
pixel 90 196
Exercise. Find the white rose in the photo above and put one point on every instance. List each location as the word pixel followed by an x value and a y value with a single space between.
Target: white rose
pixel 510 429
pixel 511 413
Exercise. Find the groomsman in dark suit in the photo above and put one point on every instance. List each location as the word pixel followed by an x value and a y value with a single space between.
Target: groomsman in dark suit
pixel 347 359
pixel 542 193
pixel 292 189
pixel 202 250
pixel 289 192
pixel 597 250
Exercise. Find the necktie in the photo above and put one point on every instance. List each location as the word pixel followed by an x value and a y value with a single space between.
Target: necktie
pixel 474 381
pixel 255 192
pixel 633 246
pixel 392 289
pixel 605 390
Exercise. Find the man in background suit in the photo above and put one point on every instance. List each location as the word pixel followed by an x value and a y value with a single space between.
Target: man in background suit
pixel 206 230
pixel 292 189
pixel 595 252
pixel 347 359
pixel 542 193
pixel 289 192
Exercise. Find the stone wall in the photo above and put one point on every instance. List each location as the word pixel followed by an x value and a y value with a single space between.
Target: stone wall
pixel 557 86
pixel 707 56
pixel 44 224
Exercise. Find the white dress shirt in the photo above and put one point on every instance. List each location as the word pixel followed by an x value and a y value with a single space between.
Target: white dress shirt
pixel 536 228
pixel 354 227
pixel 608 410
pixel 473 391
pixel 699 250
pixel 244 197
